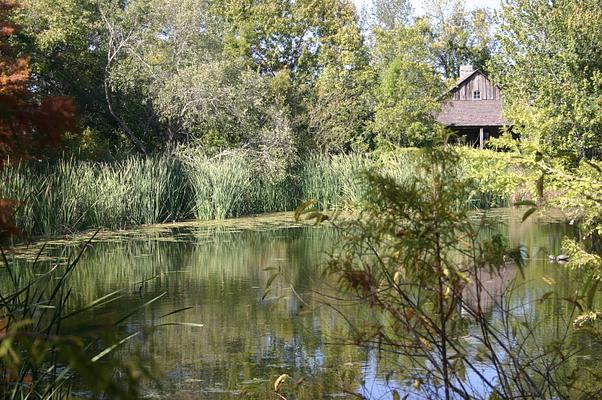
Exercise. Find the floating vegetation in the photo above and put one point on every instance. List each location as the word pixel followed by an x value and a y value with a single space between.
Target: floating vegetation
pixel 193 232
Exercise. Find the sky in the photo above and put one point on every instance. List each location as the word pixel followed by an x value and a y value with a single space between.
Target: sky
pixel 417 4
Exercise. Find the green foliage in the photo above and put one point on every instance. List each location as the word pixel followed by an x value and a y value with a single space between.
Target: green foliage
pixel 549 66
pixel 388 14
pixel 498 179
pixel 315 55
pixel 576 191
pixel 216 103
pixel 220 192
pixel 68 56
pixel 235 183
pixel 551 184
pixel 458 36
pixel 332 180
pixel 72 196
pixel 149 74
pixel 153 51
pixel 404 115
pixel 90 144
pixel 417 261
pixel 409 89
pixel 342 102
pixel 284 34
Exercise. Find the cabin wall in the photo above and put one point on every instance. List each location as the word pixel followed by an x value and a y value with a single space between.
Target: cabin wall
pixel 478 82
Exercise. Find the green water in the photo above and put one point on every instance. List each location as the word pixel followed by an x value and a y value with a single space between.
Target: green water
pixel 249 336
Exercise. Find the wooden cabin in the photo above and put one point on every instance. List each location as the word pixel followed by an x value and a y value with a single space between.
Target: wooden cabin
pixel 474 108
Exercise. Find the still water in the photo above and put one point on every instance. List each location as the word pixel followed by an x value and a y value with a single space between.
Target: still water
pixel 218 271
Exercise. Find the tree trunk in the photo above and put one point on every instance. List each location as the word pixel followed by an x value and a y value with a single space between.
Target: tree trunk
pixel 130 134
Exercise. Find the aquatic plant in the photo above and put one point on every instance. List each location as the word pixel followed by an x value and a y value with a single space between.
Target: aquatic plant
pixel 71 196
pixel 222 184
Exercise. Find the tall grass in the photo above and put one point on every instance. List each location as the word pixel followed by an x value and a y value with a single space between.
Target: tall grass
pixel 333 180
pixel 72 196
pixel 221 186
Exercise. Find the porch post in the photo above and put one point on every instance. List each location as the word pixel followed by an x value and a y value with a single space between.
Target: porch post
pixel 481 137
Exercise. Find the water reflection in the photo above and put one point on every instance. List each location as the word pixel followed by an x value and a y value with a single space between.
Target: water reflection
pixel 249 336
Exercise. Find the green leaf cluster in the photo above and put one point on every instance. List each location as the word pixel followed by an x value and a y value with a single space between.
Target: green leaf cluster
pixel 549 67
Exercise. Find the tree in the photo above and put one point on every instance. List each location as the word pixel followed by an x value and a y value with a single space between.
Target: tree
pixel 388 14
pixel 28 126
pixel 167 55
pixel 274 35
pixel 549 66
pixel 342 103
pixel 409 87
pixel 155 73
pixel 458 37
pixel 67 58
pixel 317 46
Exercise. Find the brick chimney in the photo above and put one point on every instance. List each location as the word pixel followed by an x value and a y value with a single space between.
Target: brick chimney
pixel 465 70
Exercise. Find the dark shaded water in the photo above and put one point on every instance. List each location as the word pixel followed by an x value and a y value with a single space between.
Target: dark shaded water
pixel 249 336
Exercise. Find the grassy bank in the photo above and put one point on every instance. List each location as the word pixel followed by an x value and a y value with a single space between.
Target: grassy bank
pixel 71 196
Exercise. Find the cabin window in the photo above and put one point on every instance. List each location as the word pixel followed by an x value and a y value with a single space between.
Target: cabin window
pixel 476 95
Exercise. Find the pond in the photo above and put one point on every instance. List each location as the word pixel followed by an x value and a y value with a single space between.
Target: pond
pixel 249 336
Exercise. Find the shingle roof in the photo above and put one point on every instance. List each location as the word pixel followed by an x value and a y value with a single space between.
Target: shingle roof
pixel 472 113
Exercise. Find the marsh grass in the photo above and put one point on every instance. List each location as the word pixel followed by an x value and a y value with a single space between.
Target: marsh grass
pixel 331 180
pixel 72 196
pixel 221 185
pixel 335 181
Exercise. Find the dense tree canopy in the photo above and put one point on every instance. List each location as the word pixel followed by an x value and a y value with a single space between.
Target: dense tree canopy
pixel 549 66
pixel 458 36
pixel 409 87
pixel 149 74
pixel 28 123
pixel 304 76
pixel 239 99
pixel 387 14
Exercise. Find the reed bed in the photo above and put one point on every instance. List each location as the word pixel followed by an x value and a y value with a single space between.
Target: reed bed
pixel 333 181
pixel 71 196
pixel 233 185
pixel 221 185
